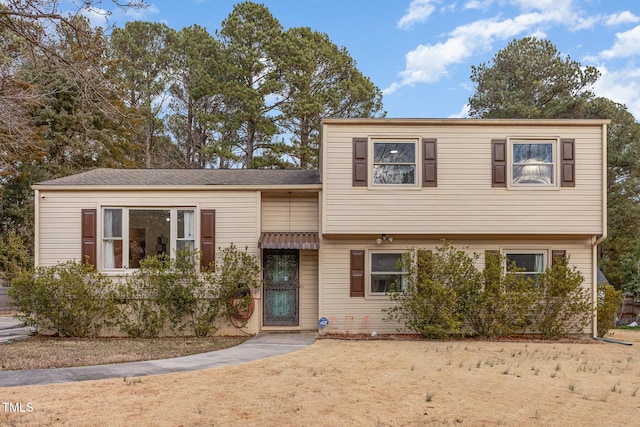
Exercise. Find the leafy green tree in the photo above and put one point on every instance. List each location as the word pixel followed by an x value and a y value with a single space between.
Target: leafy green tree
pixel 321 81
pixel 529 78
pixel 76 122
pixel 250 35
pixel 14 254
pixel 620 252
pixel 198 118
pixel 143 63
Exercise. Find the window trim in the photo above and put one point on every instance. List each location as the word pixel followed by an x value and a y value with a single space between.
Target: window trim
pixel 369 270
pixel 555 150
pixel 125 209
pixel 417 174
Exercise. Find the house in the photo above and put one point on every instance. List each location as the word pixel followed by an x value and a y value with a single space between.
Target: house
pixel 328 240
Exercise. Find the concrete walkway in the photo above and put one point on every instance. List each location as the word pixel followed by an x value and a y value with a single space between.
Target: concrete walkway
pixel 11 329
pixel 258 347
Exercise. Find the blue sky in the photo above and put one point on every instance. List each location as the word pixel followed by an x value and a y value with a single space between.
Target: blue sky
pixel 420 52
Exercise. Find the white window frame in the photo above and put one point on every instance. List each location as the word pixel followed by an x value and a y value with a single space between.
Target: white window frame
pixel 543 252
pixel 125 237
pixel 370 272
pixel 555 144
pixel 416 164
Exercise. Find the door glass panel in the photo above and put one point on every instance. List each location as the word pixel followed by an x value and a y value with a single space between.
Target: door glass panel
pixel 281 288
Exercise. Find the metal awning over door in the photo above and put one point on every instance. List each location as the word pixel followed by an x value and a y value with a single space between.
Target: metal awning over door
pixel 289 240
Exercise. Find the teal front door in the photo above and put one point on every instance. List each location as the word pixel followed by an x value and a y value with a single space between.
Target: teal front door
pixel 281 275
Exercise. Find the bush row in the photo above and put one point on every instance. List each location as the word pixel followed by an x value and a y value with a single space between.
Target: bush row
pixel 444 293
pixel 73 299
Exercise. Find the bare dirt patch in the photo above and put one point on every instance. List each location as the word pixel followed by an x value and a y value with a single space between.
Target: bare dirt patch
pixel 367 383
pixel 45 352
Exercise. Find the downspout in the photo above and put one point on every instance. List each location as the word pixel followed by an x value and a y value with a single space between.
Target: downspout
pixel 596 240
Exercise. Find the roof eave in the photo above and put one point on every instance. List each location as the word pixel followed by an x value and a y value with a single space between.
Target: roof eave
pixel 463 122
pixel 221 187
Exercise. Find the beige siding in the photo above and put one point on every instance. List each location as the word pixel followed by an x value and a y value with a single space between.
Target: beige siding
pixel 59 225
pixel 464 201
pixel 290 213
pixel 364 315
pixel 308 290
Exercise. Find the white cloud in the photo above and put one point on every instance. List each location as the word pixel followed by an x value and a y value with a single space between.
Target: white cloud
pixel 419 11
pixel 97 17
pixel 627 44
pixel 430 63
pixel 477 4
pixel 463 114
pixel 622 86
pixel 625 17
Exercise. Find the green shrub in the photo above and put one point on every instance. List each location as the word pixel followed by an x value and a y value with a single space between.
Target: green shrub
pixel 70 299
pixel 500 305
pixel 167 292
pixel 237 275
pixel 151 298
pixel 562 305
pixel 609 299
pixel 14 255
pixel 427 301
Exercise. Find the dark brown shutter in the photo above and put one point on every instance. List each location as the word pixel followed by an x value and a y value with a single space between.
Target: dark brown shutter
pixel 357 274
pixel 557 253
pixel 498 163
pixel 89 236
pixel 568 162
pixel 207 239
pixel 429 163
pixel 360 161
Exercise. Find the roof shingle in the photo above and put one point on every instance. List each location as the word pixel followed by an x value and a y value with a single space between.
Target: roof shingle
pixel 188 177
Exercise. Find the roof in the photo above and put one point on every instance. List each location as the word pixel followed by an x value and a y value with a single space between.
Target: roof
pixel 188 177
pixel 372 121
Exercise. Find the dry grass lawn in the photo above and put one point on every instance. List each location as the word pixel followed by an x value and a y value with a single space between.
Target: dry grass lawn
pixel 366 383
pixel 43 352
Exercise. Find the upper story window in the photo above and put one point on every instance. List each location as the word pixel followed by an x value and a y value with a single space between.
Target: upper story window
pixel 131 234
pixel 533 162
pixel 394 162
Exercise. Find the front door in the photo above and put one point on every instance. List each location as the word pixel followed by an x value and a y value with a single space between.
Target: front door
pixel 280 287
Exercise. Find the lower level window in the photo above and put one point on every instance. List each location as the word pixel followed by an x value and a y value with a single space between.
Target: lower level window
pixel 529 264
pixel 133 234
pixel 387 274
